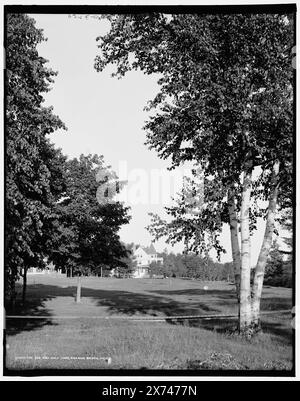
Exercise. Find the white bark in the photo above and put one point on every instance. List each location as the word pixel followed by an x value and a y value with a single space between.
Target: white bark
pixel 245 288
pixel 265 248
pixel 235 246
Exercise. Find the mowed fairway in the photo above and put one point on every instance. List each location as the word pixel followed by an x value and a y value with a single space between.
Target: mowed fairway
pixel 77 336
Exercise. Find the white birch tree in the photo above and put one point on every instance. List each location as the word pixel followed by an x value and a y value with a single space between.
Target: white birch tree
pixel 226 86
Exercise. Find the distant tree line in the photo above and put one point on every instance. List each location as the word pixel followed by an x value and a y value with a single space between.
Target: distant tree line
pixel 192 266
pixel 279 271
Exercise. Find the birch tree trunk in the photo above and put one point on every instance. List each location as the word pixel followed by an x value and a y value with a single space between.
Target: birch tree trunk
pixel 235 247
pixel 245 287
pixel 265 249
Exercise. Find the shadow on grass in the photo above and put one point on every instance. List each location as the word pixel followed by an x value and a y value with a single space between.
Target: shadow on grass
pixel 33 307
pixel 279 328
pixel 116 302
pixel 282 330
pixel 276 303
pixel 220 294
pixel 128 303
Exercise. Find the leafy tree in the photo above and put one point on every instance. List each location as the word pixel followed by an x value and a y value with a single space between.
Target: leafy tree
pixel 228 272
pixel 278 270
pixel 89 219
pixel 286 223
pixel 157 269
pixel 226 87
pixel 193 266
pixel 279 265
pixel 202 268
pixel 34 176
pixel 181 270
pixel 129 262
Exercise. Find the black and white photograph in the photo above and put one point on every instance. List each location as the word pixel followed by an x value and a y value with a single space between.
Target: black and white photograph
pixel 149 191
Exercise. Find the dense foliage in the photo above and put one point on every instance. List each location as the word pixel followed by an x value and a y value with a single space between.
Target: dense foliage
pixel 57 210
pixel 226 88
pixel 87 225
pixel 34 168
pixel 192 266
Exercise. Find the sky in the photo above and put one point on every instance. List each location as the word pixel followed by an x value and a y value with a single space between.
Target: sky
pixel 105 116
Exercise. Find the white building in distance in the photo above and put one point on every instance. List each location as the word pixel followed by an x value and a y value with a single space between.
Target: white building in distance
pixel 144 256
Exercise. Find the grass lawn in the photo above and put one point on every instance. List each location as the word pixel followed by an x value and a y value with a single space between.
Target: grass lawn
pixel 57 341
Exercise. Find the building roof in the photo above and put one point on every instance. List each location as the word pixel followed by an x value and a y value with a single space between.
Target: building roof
pixel 150 250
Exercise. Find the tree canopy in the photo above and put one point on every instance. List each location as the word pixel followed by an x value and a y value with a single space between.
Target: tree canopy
pixel 225 83
pixel 87 231
pixel 56 209
pixel 34 172
pixel 226 88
